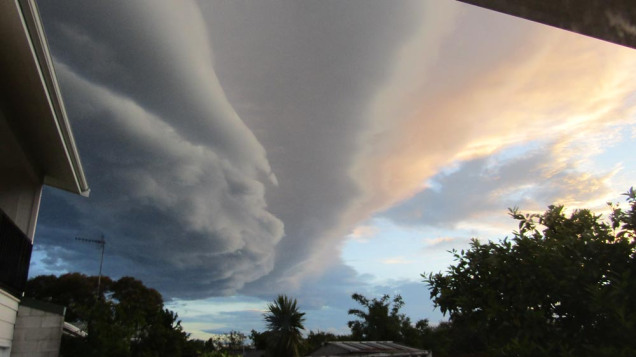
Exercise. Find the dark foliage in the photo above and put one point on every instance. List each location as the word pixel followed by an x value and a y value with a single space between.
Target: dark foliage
pixel 261 339
pixel 381 320
pixel 378 321
pixel 563 285
pixel 284 321
pixel 126 319
pixel 317 339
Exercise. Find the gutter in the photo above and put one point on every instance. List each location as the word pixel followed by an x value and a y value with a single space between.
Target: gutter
pixel 39 45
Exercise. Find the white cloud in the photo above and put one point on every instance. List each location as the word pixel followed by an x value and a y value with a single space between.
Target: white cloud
pixel 565 91
pixel 439 240
pixel 364 233
pixel 396 260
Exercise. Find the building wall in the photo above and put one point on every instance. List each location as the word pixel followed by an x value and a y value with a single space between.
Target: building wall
pixel 20 186
pixel 38 333
pixel 8 311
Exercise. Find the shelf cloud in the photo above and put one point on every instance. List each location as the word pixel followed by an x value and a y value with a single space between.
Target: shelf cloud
pixel 232 147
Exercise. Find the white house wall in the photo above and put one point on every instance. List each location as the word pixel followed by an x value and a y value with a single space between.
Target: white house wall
pixel 38 333
pixel 8 313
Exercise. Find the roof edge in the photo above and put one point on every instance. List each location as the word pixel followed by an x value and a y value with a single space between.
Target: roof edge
pixel 31 17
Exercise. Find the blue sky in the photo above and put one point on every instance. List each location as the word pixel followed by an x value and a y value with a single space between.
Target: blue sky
pixel 239 150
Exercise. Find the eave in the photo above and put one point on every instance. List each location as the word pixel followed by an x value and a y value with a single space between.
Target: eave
pixel 31 98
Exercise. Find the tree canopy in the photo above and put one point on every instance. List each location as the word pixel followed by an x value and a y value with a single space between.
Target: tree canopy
pixel 562 285
pixel 381 320
pixel 285 321
pixel 378 321
pixel 126 319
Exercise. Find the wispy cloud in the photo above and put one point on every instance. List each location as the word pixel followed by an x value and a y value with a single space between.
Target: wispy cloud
pixel 439 240
pixel 364 233
pixel 396 260
pixel 548 86
pixel 487 186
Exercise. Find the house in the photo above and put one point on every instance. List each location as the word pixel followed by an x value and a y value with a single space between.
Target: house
pixel 368 349
pixel 36 148
pixel 38 329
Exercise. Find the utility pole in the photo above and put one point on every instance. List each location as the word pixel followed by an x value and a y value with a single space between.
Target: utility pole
pixel 102 243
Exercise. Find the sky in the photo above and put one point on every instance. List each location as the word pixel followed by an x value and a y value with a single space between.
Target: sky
pixel 237 150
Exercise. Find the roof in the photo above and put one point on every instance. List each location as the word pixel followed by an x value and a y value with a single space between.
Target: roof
pixel 368 348
pixel 609 20
pixel 31 100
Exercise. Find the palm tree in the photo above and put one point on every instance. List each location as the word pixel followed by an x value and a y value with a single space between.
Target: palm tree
pixel 285 322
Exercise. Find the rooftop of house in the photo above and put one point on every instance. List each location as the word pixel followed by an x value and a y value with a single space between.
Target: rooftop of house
pixel 368 348
pixel 613 21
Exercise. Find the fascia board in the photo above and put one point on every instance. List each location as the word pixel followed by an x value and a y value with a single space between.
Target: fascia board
pixel 40 50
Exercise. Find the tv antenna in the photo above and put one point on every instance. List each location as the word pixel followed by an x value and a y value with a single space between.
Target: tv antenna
pixel 102 243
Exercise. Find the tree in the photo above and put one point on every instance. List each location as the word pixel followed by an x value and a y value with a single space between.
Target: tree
pixel 316 339
pixel 231 342
pixel 235 340
pixel 562 285
pixel 261 339
pixel 285 321
pixel 381 320
pixel 76 291
pixel 126 319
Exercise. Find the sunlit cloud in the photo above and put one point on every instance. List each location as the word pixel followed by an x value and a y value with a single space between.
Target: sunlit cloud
pixel 440 240
pixel 396 260
pixel 558 88
pixel 364 233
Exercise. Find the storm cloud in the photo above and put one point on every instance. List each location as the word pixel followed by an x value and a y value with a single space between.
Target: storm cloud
pixel 185 193
pixel 179 180
pixel 232 146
